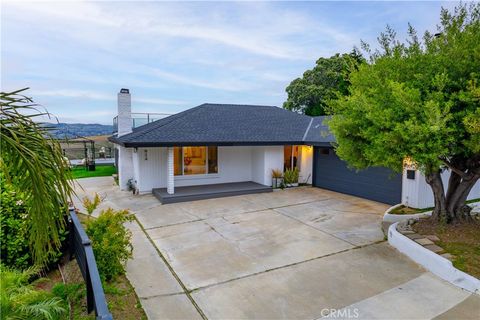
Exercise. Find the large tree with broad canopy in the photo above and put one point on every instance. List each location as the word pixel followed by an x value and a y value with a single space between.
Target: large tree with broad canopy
pixel 310 93
pixel 419 101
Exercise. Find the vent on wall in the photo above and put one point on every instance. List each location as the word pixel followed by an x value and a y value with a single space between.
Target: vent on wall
pixel 324 151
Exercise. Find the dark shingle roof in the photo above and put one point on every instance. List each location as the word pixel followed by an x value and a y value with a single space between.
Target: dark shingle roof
pixel 224 124
pixel 318 132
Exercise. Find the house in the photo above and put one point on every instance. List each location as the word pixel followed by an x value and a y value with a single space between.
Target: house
pixel 221 149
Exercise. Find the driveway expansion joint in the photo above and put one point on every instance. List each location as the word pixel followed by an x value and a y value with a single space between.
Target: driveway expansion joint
pixel 162 295
pixel 284 266
pixel 180 282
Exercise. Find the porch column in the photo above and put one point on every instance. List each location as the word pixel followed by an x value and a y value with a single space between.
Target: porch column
pixel 170 181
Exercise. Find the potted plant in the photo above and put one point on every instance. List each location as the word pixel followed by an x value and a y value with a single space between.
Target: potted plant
pixel 277 178
pixel 290 177
pixel 132 185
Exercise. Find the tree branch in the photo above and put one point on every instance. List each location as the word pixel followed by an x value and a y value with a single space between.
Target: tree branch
pixel 451 167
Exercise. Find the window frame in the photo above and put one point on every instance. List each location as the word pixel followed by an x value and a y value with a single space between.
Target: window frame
pixel 182 163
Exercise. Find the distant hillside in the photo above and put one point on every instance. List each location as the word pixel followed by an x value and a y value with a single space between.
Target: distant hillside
pixel 72 130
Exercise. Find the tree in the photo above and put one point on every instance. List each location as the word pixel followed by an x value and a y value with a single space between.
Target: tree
pixel 32 164
pixel 419 101
pixel 310 94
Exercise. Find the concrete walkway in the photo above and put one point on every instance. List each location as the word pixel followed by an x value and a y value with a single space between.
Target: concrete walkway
pixel 294 254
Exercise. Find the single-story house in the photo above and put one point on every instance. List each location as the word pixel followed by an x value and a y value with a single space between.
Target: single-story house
pixel 225 149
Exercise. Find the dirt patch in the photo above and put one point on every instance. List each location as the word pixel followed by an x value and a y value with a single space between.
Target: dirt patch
pixel 408 210
pixel 462 240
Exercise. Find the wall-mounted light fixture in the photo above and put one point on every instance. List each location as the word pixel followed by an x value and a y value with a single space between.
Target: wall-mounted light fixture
pixel 135 150
pixel 145 152
pixel 409 163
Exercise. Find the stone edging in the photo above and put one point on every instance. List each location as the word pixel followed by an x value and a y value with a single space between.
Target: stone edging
pixel 388 217
pixel 425 256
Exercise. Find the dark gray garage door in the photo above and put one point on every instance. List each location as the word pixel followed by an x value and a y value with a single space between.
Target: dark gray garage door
pixel 379 184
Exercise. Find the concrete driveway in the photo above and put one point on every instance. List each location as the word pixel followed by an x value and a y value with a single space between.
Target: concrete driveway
pixel 293 254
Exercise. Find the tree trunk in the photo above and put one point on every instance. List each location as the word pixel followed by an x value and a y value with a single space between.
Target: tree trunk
pixel 455 202
pixel 451 206
pixel 434 179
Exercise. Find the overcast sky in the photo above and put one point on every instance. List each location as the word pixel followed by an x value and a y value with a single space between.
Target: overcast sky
pixel 75 56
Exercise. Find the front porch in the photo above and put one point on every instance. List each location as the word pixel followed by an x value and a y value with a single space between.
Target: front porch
pixel 200 192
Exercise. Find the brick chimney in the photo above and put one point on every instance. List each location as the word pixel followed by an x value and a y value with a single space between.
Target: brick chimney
pixel 124 112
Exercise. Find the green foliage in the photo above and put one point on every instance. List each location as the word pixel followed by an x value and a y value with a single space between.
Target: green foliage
pixel 33 162
pixel 100 171
pixel 91 205
pixel 110 242
pixel 19 299
pixel 417 100
pixel 277 173
pixel 291 176
pixel 330 77
pixel 14 246
pixel 71 295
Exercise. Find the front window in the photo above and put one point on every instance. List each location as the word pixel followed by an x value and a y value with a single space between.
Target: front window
pixel 177 161
pixel 212 160
pixel 290 157
pixel 195 160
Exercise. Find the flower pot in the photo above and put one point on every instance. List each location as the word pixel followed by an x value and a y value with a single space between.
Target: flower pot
pixel 276 182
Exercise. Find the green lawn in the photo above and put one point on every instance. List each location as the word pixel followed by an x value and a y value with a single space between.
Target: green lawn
pixel 100 171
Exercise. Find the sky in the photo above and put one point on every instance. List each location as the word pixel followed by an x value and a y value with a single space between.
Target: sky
pixel 76 56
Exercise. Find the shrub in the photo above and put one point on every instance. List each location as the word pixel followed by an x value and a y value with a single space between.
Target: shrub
pixel 277 173
pixel 21 300
pixel 14 246
pixel 291 176
pixel 110 242
pixel 91 205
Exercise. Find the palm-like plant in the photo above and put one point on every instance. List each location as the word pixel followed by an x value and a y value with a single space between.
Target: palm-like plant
pixel 32 161
pixel 20 300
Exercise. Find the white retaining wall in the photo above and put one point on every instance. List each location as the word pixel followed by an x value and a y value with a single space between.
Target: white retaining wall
pixel 431 261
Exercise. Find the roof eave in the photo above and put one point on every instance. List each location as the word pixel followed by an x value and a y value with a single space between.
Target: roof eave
pixel 216 143
pixel 115 140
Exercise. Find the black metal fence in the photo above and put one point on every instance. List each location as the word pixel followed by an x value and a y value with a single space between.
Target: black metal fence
pixel 81 248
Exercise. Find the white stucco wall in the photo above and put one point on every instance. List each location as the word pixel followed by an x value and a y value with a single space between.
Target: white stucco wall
pixel 136 168
pixel 147 173
pixel 264 160
pixel 258 165
pixel 125 166
pixel 418 194
pixel 273 160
